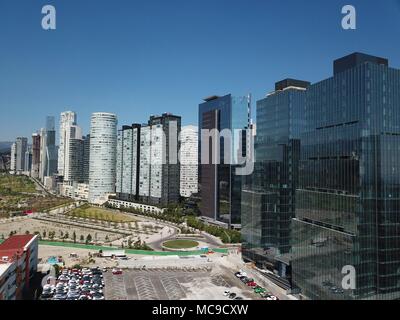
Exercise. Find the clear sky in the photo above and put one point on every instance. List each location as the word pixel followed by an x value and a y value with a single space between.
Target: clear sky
pixel 137 58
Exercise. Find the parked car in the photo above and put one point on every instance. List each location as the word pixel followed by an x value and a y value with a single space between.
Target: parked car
pixel 116 271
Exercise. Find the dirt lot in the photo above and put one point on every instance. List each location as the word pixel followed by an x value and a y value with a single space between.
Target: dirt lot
pixel 23 224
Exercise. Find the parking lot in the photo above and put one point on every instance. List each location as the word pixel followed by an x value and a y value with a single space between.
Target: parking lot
pixel 172 285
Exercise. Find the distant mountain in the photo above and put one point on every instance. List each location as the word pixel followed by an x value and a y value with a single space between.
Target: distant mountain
pixel 5 147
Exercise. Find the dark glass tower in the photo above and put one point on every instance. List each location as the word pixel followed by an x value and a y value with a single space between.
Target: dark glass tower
pixel 220 188
pixel 268 196
pixel 348 196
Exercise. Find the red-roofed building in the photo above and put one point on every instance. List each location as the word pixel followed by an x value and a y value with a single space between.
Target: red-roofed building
pixel 21 251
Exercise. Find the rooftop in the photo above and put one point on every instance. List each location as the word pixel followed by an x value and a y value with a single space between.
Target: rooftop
pixel 16 242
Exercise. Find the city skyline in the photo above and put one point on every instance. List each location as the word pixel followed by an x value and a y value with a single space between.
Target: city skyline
pixel 105 67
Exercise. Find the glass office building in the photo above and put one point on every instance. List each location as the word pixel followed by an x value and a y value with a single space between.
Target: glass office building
pixel 348 193
pixel 268 196
pixel 220 188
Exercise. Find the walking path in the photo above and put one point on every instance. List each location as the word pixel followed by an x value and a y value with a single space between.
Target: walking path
pixel 128 251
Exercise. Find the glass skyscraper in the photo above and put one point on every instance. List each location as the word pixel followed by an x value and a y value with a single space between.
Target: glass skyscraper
pixel 348 195
pixel 327 160
pixel 268 196
pixel 220 187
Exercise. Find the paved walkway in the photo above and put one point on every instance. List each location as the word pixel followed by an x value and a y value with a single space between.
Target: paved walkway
pixel 128 251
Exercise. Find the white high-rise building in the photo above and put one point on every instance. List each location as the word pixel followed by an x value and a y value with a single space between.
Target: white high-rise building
pixel 189 161
pixel 67 119
pixel 145 162
pixel 102 160
pixel 13 165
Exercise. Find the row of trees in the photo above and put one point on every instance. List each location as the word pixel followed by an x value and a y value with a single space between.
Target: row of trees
pixel 173 214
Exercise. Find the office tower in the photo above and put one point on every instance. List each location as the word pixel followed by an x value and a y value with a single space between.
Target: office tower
pixel 220 187
pixel 48 150
pixel 268 195
pixel 51 148
pixel 102 163
pixel 189 161
pixel 348 195
pixel 67 119
pixel 21 145
pixel 43 154
pixel 28 161
pixel 13 164
pixel 128 154
pixel 86 157
pixel 35 155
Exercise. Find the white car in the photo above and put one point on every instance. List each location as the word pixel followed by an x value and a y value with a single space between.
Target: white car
pixel 226 293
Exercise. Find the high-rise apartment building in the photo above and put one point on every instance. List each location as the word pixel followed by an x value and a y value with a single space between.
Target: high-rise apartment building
pixel 268 195
pixel 35 155
pixel 128 164
pixel 220 187
pixel 189 161
pixel 75 160
pixel 348 194
pixel 148 161
pixel 103 153
pixel 67 119
pixel 21 145
pixel 73 137
pixel 13 164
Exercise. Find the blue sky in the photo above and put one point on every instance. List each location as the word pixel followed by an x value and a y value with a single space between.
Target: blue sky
pixel 137 58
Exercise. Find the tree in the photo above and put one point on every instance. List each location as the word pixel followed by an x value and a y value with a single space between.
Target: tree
pixel 88 238
pixel 74 237
pixel 82 238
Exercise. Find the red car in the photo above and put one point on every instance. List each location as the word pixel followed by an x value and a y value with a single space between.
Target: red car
pixel 116 271
pixel 252 284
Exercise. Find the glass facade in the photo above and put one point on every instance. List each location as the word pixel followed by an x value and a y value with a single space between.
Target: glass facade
pixel 268 196
pixel 220 187
pixel 347 199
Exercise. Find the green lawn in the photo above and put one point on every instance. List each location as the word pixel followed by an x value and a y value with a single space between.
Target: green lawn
pixel 16 184
pixel 180 244
pixel 101 214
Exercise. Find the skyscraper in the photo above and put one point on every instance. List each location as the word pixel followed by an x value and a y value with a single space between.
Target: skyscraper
pixel 189 161
pixel 268 196
pixel 35 155
pixel 13 164
pixel 21 145
pixel 72 134
pixel 48 150
pixel 75 161
pixel 86 158
pixel 348 195
pixel 102 163
pixel 28 161
pixel 164 153
pixel 128 163
pixel 67 119
pixel 220 187
pixel 148 162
